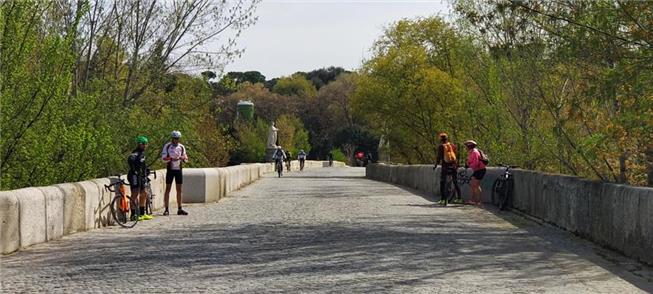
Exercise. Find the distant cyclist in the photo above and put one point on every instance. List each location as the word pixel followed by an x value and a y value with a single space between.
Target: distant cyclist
pixel 446 157
pixel 475 162
pixel 279 156
pixel 174 155
pixel 301 156
pixel 137 176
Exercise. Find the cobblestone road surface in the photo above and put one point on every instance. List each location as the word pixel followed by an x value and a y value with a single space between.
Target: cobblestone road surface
pixel 325 230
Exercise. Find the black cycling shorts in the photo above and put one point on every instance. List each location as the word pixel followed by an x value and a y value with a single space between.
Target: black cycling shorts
pixel 135 182
pixel 479 174
pixel 174 175
pixel 448 171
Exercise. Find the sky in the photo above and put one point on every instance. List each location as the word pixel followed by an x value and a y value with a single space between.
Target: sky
pixel 293 36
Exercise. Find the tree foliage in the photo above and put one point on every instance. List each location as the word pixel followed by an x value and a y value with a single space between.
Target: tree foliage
pixel 549 85
pixel 79 80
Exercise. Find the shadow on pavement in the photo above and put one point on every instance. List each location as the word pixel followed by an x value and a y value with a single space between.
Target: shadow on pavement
pixel 410 249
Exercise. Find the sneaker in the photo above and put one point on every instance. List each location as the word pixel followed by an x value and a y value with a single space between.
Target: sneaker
pixel 181 212
pixel 458 201
pixel 148 216
pixel 166 212
pixel 142 218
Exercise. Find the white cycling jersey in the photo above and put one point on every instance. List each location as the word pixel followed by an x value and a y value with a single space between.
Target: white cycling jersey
pixel 171 151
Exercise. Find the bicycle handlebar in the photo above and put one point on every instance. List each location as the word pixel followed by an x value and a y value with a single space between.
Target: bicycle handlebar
pixel 508 166
pixel 120 181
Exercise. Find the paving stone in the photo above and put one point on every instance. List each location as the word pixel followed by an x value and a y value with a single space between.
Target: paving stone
pixel 324 230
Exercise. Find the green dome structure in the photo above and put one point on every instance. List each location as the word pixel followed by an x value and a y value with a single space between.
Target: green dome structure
pixel 246 110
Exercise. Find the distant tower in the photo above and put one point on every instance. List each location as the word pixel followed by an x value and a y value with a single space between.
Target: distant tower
pixel 246 110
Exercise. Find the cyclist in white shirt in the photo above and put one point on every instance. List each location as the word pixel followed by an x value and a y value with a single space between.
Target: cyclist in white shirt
pixel 174 155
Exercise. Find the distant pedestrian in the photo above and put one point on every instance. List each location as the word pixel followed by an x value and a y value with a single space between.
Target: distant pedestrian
pixel 288 160
pixel 174 155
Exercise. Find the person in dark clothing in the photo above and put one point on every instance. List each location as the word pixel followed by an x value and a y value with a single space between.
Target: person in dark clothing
pixel 446 157
pixel 137 176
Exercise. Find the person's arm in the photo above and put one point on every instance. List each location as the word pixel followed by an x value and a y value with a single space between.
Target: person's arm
pixel 165 156
pixel 131 162
pixel 473 160
pixel 439 157
pixel 184 154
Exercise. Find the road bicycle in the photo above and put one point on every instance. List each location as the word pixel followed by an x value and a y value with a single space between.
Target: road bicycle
pixel 149 206
pixel 278 167
pixel 125 212
pixel 503 187
pixel 450 188
pixel 463 179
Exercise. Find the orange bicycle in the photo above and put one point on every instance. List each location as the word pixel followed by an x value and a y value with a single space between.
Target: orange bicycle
pixel 123 210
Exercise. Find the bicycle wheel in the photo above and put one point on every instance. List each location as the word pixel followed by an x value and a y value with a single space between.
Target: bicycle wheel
pixel 149 209
pixel 506 200
pixel 497 188
pixel 449 188
pixel 126 218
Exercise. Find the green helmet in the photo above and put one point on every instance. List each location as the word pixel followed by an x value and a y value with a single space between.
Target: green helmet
pixel 141 140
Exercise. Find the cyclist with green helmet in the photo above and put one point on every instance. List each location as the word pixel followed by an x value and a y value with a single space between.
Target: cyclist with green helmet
pixel 137 176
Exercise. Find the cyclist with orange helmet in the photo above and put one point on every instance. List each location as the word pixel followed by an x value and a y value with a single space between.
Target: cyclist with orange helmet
pixel 446 157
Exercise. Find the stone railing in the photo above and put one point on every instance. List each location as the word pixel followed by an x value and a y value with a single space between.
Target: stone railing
pixel 618 217
pixel 39 214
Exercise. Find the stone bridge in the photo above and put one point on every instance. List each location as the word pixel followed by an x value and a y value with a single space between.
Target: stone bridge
pixel 325 230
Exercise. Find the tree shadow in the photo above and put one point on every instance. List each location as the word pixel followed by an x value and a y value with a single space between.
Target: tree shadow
pixel 416 250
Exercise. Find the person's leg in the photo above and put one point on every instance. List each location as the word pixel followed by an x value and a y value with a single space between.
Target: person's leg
pixel 443 181
pixel 166 195
pixel 479 191
pixel 179 181
pixel 134 203
pixel 142 200
pixel 454 176
pixel 178 196
pixel 474 183
pixel 166 198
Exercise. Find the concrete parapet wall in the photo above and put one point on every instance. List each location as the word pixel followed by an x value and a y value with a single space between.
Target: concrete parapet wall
pixel 35 215
pixel 618 217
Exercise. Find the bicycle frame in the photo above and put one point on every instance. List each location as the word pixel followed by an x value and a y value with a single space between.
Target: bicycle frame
pixel 502 189
pixel 121 191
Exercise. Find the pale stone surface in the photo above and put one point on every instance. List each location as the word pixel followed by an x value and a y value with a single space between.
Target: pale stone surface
pixel 325 230
pixel 9 223
pixel 54 212
pixel 31 204
pixel 74 209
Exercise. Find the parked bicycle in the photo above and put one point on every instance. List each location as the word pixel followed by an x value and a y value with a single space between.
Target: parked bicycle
pixel 149 206
pixel 503 187
pixel 124 211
